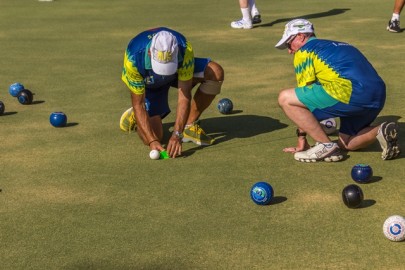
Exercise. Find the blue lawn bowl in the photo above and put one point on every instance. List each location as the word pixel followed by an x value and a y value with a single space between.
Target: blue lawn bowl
pixel 58 119
pixel 362 173
pixel 15 89
pixel 225 106
pixel 261 193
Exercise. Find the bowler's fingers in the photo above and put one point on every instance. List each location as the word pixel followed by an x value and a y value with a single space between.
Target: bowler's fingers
pixel 290 150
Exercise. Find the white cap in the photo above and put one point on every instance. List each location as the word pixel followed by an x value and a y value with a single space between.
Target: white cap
pixel 292 28
pixel 164 50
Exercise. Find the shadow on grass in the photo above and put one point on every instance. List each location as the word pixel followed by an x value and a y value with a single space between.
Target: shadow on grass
pixel 366 203
pixel 373 179
pixel 8 113
pixel 229 127
pixel 33 103
pixel 277 200
pixel 72 124
pixel 332 12
pixel 37 102
pixel 387 118
pixel 240 126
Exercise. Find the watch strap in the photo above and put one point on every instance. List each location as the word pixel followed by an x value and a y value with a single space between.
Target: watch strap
pixel 300 134
pixel 178 134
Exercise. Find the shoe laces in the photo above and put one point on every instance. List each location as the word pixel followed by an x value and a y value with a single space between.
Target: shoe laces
pixel 328 145
pixel 132 117
pixel 241 22
pixel 198 129
pixel 132 121
pixel 395 23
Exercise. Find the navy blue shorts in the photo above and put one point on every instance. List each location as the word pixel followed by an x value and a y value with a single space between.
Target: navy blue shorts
pixel 156 99
pixel 352 118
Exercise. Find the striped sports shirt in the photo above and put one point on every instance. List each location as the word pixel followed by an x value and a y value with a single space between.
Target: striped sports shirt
pixel 342 70
pixel 137 71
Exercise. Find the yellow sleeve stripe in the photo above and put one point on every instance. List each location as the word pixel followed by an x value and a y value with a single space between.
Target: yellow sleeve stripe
pixel 186 71
pixel 305 65
pixel 132 78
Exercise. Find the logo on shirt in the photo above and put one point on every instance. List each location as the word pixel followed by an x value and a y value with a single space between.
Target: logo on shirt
pixel 149 80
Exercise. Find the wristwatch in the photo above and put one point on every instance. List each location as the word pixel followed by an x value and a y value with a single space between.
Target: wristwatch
pixel 178 134
pixel 299 134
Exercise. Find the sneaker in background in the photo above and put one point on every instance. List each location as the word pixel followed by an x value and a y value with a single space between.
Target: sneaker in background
pixel 387 136
pixel 242 24
pixel 256 19
pixel 393 26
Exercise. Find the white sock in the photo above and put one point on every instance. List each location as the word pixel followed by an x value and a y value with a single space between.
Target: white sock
pixel 395 17
pixel 246 14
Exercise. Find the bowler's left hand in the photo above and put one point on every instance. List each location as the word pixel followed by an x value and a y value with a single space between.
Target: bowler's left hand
pixel 174 146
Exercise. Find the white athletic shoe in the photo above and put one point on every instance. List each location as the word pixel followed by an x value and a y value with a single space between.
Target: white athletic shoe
pixel 387 136
pixel 242 24
pixel 329 152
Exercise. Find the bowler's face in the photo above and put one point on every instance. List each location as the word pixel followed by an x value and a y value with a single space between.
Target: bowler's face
pixel 296 42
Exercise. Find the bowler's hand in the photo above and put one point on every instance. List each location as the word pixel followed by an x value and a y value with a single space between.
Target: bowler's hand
pixel 302 145
pixel 174 146
pixel 155 145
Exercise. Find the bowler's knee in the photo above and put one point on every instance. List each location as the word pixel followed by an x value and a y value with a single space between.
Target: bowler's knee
pixel 283 98
pixel 214 72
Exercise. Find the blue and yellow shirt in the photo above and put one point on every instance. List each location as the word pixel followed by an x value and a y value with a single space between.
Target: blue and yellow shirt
pixel 342 70
pixel 137 71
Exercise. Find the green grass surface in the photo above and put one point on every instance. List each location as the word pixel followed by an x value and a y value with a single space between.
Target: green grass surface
pixel 88 197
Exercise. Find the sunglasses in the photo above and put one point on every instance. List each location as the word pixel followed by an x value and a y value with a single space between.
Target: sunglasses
pixel 290 41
